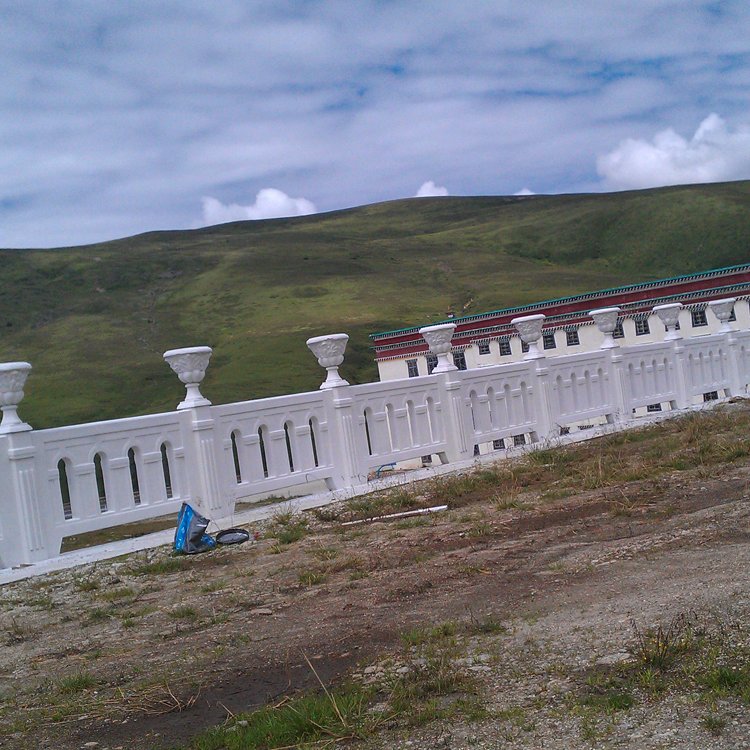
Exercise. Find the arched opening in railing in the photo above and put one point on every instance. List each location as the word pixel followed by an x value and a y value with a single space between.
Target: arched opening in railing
pixel 262 445
pixel 236 458
pixel 134 476
pixel 313 424
pixel 367 431
pixel 101 489
pixel 289 455
pixel 166 470
pixel 62 475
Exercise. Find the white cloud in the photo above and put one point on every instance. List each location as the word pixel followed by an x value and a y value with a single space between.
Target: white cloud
pixel 270 203
pixel 429 190
pixel 525 191
pixel 714 153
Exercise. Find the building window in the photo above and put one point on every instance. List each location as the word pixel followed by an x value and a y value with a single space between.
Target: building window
pixel 498 445
pixel 505 348
pixel 641 327
pixel 548 337
pixel 653 407
pixel 699 318
pixel 459 359
pixel 732 316
pixel 431 363
pixel 411 366
pixel 519 439
pixel 484 347
pixel 524 347
pixel 711 396
pixel 618 333
pixel 571 337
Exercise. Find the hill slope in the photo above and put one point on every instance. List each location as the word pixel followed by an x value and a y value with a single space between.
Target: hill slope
pixel 94 320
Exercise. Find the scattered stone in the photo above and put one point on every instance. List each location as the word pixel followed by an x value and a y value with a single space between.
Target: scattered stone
pixel 261 611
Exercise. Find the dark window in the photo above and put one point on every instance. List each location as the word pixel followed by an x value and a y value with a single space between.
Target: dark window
pixel 519 439
pixel 236 458
pixel 505 348
pixel 641 327
pixel 62 475
pixel 699 318
pixel 262 446
pixel 484 347
pixel 312 441
pixel 732 316
pixel 165 470
pixel 571 338
pixel 711 396
pixel 653 407
pixel 498 445
pixel 524 347
pixel 431 363
pixel 411 367
pixel 618 333
pixel 100 488
pixel 459 359
pixel 548 337
pixel 134 477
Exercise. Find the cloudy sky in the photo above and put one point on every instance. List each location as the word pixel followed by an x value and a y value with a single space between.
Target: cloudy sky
pixel 123 117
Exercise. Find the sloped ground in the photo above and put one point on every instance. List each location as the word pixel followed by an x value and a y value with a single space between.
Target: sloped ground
pixel 587 596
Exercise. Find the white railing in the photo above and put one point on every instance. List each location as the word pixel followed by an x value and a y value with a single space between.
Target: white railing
pixel 71 480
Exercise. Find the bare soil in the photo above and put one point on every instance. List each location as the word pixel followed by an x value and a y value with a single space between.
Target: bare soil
pixel 131 656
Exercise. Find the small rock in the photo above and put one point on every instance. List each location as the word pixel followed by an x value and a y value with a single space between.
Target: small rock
pixel 610 659
pixel 261 611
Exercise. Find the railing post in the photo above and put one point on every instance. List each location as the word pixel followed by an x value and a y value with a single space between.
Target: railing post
pixel 205 488
pixel 605 319
pixel 722 309
pixel 24 527
pixel 453 408
pixel 669 316
pixel 343 422
pixel 529 328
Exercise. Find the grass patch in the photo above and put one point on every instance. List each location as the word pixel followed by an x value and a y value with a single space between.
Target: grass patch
pixel 183 613
pixel 320 718
pixel 115 594
pixel 160 567
pixel 288 527
pixel 76 683
pixel 311 577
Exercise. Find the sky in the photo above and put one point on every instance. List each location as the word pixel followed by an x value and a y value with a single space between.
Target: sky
pixel 123 117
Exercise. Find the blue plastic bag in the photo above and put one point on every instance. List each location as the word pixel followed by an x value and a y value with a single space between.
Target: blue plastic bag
pixel 190 535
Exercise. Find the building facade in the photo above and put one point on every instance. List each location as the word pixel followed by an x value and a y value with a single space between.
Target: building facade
pixel 489 338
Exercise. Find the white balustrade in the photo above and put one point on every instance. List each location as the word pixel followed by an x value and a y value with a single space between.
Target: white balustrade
pixel 71 480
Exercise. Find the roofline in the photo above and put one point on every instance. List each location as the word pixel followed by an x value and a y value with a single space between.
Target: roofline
pixel 521 308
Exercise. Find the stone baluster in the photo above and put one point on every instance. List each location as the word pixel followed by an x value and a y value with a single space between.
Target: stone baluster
pixel 204 490
pixel 330 353
pixel 669 315
pixel 529 328
pixel 722 309
pixel 605 319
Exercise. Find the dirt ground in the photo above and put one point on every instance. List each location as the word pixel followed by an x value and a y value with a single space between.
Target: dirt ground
pixel 148 650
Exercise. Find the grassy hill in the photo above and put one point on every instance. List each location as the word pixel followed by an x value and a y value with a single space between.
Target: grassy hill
pixel 94 320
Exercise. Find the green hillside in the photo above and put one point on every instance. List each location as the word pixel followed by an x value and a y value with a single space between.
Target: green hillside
pixel 94 320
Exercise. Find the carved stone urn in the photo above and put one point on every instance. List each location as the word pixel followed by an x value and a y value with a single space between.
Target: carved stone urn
pixel 606 321
pixel 190 364
pixel 12 380
pixel 330 353
pixel 438 338
pixel 722 309
pixel 670 315
pixel 530 329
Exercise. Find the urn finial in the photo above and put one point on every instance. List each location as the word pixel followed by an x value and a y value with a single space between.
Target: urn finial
pixel 329 351
pixel 190 364
pixel 606 321
pixel 12 380
pixel 438 338
pixel 529 328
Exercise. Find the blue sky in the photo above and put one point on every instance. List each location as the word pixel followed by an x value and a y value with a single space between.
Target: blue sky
pixel 119 118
